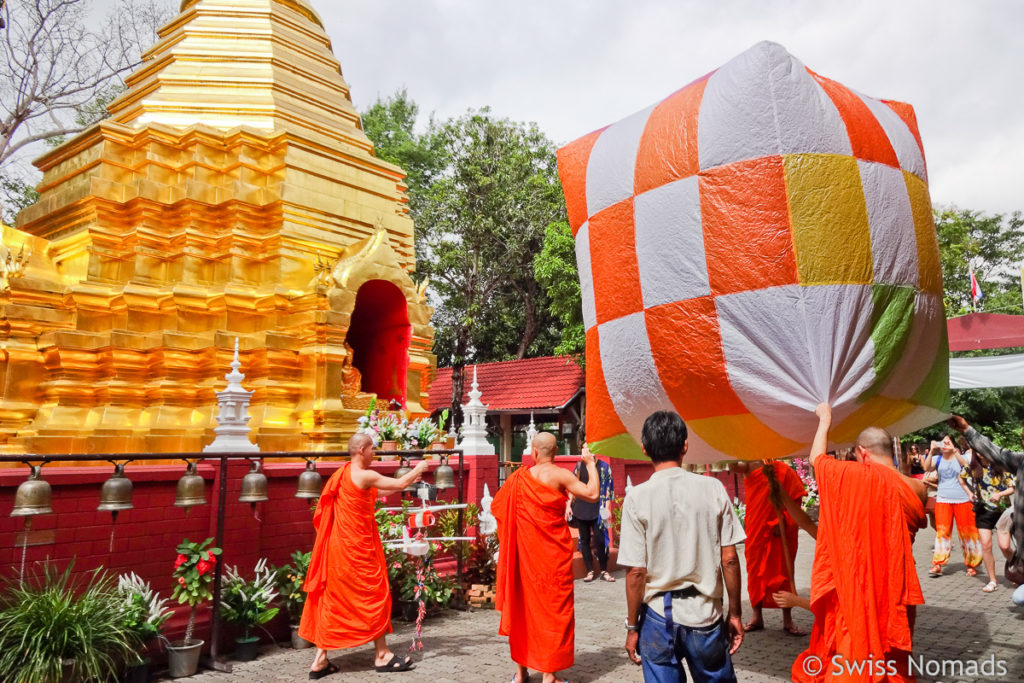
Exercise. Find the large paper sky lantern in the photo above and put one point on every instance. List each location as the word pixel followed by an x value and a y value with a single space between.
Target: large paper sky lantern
pixel 756 243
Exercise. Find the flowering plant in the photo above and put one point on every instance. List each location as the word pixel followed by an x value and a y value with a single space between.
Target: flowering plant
pixel 144 611
pixel 248 602
pixel 290 579
pixel 381 425
pixel 803 470
pixel 193 574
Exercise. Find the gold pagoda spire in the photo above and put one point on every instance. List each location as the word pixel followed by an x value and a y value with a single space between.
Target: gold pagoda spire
pixel 263 64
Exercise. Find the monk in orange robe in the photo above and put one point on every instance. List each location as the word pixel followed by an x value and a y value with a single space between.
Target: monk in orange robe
pixel 348 597
pixel 535 594
pixel 864 585
pixel 769 561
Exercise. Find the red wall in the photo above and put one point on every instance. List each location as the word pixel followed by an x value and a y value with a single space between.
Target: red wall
pixel 145 537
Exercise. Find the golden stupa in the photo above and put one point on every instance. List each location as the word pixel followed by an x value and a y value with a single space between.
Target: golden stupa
pixel 230 193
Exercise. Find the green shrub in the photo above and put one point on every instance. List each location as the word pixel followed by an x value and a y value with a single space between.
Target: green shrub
pixel 51 620
pixel 290 579
pixel 248 602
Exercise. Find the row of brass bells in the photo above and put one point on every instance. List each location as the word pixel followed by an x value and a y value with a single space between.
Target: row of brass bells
pixel 310 482
pixel 116 494
pixel 444 475
pixel 33 495
pixel 191 489
pixel 254 485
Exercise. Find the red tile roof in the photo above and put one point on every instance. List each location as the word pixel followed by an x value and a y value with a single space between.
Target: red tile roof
pixel 531 383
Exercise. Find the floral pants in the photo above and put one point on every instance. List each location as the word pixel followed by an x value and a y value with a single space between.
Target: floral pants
pixel 963 514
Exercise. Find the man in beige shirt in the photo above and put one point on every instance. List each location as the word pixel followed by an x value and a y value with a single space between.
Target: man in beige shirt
pixel 679 536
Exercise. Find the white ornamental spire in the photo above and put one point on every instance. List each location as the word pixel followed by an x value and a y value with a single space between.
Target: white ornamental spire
pixel 233 414
pixel 474 426
pixel 531 432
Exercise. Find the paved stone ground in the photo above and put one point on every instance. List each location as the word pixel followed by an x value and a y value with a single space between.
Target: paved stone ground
pixel 959 622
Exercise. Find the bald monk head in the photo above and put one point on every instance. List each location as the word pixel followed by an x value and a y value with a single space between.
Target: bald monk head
pixel 361 446
pixel 874 443
pixel 544 447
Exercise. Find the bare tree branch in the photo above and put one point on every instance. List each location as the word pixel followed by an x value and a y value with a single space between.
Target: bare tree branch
pixel 54 65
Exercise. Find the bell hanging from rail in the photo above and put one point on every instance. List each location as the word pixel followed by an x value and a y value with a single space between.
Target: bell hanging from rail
pixel 33 495
pixel 310 482
pixel 191 489
pixel 403 470
pixel 116 494
pixel 254 485
pixel 444 476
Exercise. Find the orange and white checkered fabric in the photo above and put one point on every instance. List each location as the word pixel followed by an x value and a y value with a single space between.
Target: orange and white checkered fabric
pixel 757 242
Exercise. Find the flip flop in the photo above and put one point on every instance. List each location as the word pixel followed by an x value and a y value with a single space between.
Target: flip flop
pixel 395 664
pixel 326 671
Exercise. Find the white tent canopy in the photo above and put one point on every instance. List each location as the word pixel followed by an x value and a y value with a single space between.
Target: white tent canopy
pixel 986 371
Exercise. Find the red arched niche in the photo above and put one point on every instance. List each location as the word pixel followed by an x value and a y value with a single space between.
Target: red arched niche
pixel 379 335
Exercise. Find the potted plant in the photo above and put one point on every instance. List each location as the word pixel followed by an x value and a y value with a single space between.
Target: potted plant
pixel 144 614
pixel 290 579
pixel 193 575
pixel 248 603
pixel 439 439
pixel 54 627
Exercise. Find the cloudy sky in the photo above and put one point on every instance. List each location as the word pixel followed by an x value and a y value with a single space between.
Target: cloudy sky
pixel 576 65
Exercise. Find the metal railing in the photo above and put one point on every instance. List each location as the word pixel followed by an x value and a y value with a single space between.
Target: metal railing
pixel 195 457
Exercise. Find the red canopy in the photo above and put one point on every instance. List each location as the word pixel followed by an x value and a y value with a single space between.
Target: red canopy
pixel 985 331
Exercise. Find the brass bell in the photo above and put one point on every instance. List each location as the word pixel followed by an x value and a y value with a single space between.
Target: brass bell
pixel 310 482
pixel 444 475
pixel 191 489
pixel 33 495
pixel 254 485
pixel 403 470
pixel 116 494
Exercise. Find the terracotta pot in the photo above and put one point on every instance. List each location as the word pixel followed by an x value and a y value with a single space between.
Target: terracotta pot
pixel 389 446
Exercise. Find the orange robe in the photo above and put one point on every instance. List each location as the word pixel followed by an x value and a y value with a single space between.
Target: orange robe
pixel 348 597
pixel 767 566
pixel 864 577
pixel 535 594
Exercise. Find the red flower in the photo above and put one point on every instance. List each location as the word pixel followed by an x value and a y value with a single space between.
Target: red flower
pixel 203 566
pixel 180 561
pixel 181 580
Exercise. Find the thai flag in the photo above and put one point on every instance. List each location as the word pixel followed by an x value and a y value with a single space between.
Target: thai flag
pixel 975 288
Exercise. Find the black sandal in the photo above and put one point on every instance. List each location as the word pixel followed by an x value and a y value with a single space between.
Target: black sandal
pixel 395 664
pixel 326 671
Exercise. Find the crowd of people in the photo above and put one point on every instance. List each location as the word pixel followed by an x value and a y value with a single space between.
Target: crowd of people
pixel 678 543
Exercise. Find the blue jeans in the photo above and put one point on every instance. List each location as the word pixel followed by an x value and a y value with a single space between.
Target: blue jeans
pixel 664 647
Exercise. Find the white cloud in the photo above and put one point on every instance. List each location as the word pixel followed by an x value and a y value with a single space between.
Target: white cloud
pixel 573 66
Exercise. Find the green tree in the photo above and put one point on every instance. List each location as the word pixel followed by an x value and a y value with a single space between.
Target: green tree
pixel 481 191
pixel 479 225
pixel 993 245
pixel 555 267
